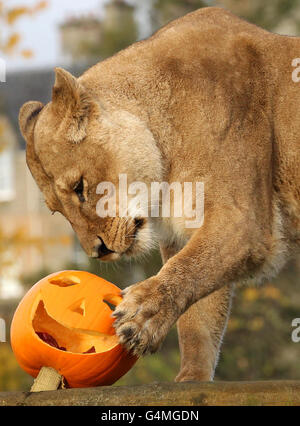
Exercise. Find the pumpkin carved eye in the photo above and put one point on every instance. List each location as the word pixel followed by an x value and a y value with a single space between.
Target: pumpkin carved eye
pixel 65 281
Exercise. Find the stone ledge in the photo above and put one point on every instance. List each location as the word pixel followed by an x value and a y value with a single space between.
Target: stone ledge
pixel 170 394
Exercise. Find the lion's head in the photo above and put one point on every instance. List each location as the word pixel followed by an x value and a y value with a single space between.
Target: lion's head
pixel 73 144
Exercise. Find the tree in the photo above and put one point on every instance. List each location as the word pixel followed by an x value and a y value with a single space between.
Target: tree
pixel 119 28
pixel 267 14
pixel 167 10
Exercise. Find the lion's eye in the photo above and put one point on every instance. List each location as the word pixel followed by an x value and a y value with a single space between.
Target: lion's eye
pixel 78 189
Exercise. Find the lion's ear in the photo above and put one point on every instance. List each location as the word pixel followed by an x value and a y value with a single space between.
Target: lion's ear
pixel 71 103
pixel 28 116
pixel 66 90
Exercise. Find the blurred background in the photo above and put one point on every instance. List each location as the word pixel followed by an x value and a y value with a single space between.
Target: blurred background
pixel 36 36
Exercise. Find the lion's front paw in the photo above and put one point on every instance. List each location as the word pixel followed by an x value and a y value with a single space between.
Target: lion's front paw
pixel 144 317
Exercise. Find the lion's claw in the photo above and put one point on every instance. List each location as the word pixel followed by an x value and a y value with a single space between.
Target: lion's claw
pixel 143 318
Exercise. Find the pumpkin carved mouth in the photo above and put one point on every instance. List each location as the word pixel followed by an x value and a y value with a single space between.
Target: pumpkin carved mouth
pixel 68 338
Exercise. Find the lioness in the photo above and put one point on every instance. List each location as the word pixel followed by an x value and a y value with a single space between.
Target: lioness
pixel 208 98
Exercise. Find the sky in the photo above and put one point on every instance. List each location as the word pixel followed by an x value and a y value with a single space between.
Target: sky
pixel 40 33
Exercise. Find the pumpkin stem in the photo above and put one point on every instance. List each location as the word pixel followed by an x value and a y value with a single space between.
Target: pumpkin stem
pixel 48 379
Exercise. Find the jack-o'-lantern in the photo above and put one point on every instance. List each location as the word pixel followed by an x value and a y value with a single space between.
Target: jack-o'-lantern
pixel 65 322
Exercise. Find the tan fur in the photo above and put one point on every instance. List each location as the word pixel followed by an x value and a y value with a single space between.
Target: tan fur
pixel 208 98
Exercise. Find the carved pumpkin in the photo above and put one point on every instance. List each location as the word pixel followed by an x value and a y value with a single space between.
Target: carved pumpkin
pixel 64 322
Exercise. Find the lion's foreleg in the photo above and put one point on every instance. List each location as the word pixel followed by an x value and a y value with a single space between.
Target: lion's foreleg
pixel 200 331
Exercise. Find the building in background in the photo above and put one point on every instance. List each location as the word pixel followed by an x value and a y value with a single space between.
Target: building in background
pixel 88 39
pixel 9 283
pixel 118 14
pixel 80 38
pixel 31 239
pixel 7 147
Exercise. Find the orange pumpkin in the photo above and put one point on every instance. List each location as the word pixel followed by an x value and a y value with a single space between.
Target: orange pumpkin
pixel 68 310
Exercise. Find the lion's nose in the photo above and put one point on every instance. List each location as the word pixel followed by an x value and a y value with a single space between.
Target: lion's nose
pixel 100 249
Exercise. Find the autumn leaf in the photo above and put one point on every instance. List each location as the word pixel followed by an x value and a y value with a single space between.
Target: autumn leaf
pixel 27 53
pixel 271 292
pixel 11 43
pixel 13 14
pixel 250 294
pixel 40 6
